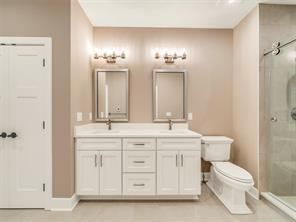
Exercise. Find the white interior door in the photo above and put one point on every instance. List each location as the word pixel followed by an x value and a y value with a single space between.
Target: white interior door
pixel 167 172
pixel 87 173
pixel 3 124
pixel 190 172
pixel 110 173
pixel 26 102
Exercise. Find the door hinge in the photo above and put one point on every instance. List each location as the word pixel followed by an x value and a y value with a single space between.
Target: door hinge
pixel 43 62
pixel 43 187
pixel 43 124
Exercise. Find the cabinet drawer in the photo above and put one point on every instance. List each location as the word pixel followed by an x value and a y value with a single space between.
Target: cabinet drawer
pixel 139 144
pixel 179 144
pixel 98 144
pixel 137 184
pixel 139 161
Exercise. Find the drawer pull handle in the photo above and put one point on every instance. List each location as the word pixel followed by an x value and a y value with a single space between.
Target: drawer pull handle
pixel 182 157
pixel 139 144
pixel 139 184
pixel 96 162
pixel 139 161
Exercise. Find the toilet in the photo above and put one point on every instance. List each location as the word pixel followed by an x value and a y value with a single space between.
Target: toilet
pixel 227 181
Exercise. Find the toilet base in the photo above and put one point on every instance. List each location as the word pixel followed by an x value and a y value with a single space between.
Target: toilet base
pixel 234 200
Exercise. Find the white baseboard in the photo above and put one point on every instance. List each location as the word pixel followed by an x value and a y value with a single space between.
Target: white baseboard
pixel 253 192
pixel 64 204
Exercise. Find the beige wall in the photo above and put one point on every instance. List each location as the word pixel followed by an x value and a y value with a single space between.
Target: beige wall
pixel 246 93
pixel 49 18
pixel 81 74
pixel 209 66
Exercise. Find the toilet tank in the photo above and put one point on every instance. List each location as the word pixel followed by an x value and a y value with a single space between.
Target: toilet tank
pixel 215 148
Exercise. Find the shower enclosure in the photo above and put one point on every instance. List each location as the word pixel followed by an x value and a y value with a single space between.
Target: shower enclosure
pixel 280 79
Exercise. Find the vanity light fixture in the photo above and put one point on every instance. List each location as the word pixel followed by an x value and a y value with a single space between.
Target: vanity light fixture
pixel 110 58
pixel 170 58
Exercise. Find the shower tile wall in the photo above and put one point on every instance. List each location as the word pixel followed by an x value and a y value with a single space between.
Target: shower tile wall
pixel 281 150
pixel 277 23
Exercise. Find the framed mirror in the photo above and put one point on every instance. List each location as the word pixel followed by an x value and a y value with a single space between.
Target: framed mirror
pixel 169 95
pixel 112 94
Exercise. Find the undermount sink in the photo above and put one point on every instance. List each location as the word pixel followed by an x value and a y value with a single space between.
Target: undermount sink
pixel 173 132
pixel 103 131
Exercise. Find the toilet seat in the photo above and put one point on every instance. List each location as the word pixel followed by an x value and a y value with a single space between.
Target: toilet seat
pixel 233 172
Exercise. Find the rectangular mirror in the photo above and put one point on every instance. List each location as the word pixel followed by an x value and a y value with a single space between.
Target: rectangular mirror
pixel 169 95
pixel 111 94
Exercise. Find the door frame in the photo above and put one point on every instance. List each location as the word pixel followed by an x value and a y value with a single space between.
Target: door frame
pixel 47 43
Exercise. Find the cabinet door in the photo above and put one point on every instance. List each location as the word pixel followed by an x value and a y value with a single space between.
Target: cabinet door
pixel 87 173
pixel 3 125
pixel 189 172
pixel 167 173
pixel 110 172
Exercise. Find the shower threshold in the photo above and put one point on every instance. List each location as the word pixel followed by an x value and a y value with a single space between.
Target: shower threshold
pixel 282 203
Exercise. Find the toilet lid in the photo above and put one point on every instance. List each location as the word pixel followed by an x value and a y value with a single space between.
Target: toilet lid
pixel 216 139
pixel 234 172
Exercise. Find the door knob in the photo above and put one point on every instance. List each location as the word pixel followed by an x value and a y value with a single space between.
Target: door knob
pixel 3 135
pixel 12 135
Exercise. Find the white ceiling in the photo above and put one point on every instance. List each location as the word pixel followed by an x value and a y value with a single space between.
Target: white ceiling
pixel 170 13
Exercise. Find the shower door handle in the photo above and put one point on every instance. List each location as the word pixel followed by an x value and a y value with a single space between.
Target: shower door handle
pixel 293 113
pixel 273 119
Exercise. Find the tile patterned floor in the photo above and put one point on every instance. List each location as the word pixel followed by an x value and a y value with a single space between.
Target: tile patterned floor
pixel 208 209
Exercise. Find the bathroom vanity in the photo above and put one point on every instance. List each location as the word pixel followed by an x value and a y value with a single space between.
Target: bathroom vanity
pixel 137 161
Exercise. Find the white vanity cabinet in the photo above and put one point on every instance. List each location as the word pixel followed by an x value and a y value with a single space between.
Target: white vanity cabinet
pixel 128 166
pixel 87 173
pixel 110 173
pixel 98 167
pixel 139 166
pixel 178 166
pixel 167 172
pixel 189 172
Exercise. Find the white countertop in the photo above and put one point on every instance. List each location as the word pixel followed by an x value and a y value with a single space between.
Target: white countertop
pixel 134 130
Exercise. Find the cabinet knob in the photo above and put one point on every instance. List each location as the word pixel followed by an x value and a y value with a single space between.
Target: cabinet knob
pixel 12 135
pixel 3 135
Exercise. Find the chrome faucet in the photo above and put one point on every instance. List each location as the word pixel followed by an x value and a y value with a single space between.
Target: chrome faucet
pixel 108 123
pixel 170 124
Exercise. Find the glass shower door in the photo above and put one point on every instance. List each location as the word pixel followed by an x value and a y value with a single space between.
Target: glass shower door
pixel 281 159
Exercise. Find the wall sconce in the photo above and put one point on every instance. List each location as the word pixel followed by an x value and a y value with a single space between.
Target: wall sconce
pixel 110 58
pixel 170 58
